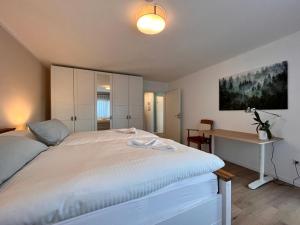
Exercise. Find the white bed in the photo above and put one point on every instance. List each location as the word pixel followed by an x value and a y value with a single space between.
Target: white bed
pixel 96 178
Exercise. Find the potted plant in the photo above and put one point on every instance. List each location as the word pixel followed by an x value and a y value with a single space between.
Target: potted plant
pixel 262 128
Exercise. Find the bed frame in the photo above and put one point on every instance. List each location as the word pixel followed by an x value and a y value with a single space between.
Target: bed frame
pixel 215 210
pixel 4 130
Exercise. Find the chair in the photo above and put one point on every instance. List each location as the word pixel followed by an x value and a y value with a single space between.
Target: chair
pixel 201 139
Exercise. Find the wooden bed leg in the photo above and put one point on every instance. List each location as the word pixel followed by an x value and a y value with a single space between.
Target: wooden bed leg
pixel 225 190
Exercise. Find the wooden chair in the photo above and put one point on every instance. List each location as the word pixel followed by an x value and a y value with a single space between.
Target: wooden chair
pixel 200 139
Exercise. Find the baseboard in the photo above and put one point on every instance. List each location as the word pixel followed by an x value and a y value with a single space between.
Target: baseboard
pixel 267 172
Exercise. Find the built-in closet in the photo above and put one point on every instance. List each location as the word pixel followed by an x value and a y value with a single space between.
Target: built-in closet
pixel 87 100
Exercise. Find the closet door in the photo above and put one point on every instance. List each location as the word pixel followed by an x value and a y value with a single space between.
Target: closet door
pixel 62 95
pixel 136 102
pixel 120 101
pixel 84 93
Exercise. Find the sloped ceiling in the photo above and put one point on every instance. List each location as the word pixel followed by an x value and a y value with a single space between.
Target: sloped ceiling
pixel 101 34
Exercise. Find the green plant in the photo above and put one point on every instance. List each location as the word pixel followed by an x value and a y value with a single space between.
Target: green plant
pixel 260 125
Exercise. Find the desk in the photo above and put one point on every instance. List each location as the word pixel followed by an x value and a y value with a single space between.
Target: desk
pixel 249 138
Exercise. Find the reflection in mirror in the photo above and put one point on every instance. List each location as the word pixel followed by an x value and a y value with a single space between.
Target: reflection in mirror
pixel 103 108
pixel 154 112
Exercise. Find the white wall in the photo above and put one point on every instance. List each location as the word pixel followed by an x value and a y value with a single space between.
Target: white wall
pixel 201 100
pixel 155 86
pixel 24 84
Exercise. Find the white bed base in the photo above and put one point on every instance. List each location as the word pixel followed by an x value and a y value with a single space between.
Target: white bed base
pixel 215 210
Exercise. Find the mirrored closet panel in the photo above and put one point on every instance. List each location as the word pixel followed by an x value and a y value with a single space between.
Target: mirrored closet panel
pixel 103 100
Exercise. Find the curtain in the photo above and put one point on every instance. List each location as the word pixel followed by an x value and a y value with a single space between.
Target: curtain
pixel 103 106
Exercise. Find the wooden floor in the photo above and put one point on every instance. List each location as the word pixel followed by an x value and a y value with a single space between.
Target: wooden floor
pixel 271 204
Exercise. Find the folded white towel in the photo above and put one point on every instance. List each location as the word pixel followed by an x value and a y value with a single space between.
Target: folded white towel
pixel 131 130
pixel 162 146
pixel 142 143
pixel 153 144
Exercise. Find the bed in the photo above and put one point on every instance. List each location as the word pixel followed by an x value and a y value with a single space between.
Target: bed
pixel 97 178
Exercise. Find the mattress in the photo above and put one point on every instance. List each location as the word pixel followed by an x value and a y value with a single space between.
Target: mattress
pixel 159 205
pixel 71 180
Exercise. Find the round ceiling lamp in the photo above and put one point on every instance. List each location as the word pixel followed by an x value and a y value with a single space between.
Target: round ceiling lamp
pixel 152 20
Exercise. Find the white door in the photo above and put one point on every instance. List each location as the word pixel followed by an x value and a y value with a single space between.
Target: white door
pixel 62 95
pixel 173 115
pixel 120 101
pixel 84 93
pixel 136 102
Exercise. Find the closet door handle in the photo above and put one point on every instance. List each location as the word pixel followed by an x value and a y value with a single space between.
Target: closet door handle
pixel 75 118
pixel 179 116
pixel 72 118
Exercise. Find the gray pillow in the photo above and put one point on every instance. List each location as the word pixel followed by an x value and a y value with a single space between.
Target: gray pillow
pixel 15 152
pixel 50 132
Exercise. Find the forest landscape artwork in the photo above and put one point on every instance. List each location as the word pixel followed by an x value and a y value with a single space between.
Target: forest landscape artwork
pixel 263 88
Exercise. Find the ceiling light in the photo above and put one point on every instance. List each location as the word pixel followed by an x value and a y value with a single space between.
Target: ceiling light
pixel 152 20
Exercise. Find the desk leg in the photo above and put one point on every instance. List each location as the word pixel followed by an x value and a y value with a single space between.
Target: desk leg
pixel 262 178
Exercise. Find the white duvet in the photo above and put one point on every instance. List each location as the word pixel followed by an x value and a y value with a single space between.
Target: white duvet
pixel 101 136
pixel 71 180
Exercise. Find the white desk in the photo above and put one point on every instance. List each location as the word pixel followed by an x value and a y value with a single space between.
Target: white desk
pixel 249 138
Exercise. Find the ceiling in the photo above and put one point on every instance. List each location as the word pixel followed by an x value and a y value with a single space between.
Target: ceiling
pixel 101 34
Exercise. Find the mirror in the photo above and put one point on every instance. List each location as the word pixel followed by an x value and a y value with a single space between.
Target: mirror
pixel 103 101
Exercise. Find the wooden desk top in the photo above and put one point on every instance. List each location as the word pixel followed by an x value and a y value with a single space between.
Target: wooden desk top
pixel 239 136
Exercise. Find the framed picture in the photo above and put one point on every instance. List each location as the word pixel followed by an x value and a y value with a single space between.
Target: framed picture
pixel 263 88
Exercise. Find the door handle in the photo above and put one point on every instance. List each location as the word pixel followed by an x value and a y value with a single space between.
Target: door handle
pixel 72 118
pixel 179 116
pixel 75 118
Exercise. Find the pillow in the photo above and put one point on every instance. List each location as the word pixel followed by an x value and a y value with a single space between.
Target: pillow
pixel 20 133
pixel 50 132
pixel 15 152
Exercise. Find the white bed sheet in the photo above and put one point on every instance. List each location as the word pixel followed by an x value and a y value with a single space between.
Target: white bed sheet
pixel 71 180
pixel 159 205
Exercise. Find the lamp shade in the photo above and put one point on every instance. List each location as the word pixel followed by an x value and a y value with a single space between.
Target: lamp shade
pixel 152 21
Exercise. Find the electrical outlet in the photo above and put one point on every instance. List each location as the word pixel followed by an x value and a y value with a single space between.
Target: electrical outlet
pixel 295 162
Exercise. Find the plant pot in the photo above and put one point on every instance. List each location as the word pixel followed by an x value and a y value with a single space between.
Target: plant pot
pixel 262 135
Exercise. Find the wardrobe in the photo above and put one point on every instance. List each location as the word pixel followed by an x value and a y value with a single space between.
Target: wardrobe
pixel 74 98
pixel 127 101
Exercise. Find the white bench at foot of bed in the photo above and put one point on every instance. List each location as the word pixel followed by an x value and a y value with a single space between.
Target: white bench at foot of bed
pixel 213 210
pixel 225 190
